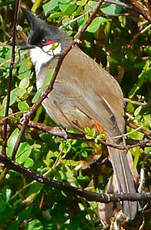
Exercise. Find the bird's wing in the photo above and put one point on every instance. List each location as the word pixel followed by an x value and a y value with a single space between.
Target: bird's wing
pixel 92 90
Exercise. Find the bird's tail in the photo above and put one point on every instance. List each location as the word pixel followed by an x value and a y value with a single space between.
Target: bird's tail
pixel 124 178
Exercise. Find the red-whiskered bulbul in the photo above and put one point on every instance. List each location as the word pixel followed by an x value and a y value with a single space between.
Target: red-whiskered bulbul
pixel 83 94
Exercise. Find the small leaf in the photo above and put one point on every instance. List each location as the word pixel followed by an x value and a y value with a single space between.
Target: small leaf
pixel 111 9
pixel 23 152
pixel 36 97
pixel 142 78
pixel 11 141
pixel 49 6
pixel 138 110
pixel 95 24
pixel 81 3
pixel 81 22
pixel 29 163
pixel 24 83
pixel 136 154
pixel 35 224
pixel 23 106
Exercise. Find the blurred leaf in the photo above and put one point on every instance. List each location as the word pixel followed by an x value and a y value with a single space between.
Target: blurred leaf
pixel 23 152
pixel 136 154
pixel 142 78
pixel 51 5
pixel 28 163
pixel 23 106
pixel 14 226
pixel 12 141
pixel 81 3
pixel 111 9
pixel 36 97
pixel 81 22
pixel 35 224
pixel 95 24
pixel 24 83
pixel 90 133
pixel 138 110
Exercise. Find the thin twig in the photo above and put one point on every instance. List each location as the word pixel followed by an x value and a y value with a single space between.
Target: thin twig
pixel 4 142
pixel 139 33
pixel 135 102
pixel 142 130
pixel 122 4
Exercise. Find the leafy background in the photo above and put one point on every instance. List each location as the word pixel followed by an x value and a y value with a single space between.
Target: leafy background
pixel 114 41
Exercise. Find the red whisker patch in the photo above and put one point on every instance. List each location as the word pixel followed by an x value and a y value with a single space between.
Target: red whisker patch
pixel 50 42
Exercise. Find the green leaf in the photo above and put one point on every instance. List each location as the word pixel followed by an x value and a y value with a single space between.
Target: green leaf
pixel 14 226
pixel 48 79
pixel 28 163
pixel 111 9
pixel 81 22
pixel 137 111
pixel 68 7
pixel 12 141
pixel 35 224
pixel 81 3
pixel 24 83
pixel 95 24
pixel 23 152
pixel 23 106
pixel 49 6
pixel 90 133
pixel 36 96
pixel 56 15
pixel 136 154
pixel 142 78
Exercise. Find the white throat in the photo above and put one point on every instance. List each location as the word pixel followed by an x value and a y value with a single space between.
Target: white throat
pixel 42 56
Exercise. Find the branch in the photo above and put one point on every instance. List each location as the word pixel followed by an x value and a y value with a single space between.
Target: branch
pixel 122 4
pixel 142 130
pixel 90 196
pixel 141 9
pixel 4 142
pixel 58 131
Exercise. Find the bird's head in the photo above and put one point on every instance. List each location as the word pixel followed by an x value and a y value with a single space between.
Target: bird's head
pixel 44 41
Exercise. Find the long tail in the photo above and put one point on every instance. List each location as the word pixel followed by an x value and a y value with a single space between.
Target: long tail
pixel 124 179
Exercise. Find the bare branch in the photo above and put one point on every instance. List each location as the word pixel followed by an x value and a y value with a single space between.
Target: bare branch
pixel 122 4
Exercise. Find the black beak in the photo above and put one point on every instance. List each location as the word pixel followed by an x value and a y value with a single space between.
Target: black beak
pixel 26 46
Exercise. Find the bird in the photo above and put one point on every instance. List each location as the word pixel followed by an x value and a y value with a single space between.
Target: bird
pixel 83 94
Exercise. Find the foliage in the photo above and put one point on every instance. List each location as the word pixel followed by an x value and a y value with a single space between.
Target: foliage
pixel 109 39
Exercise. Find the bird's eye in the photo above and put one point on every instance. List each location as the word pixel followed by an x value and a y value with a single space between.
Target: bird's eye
pixel 43 41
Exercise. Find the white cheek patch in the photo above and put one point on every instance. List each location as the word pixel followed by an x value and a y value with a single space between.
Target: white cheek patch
pixel 40 57
pixel 52 49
